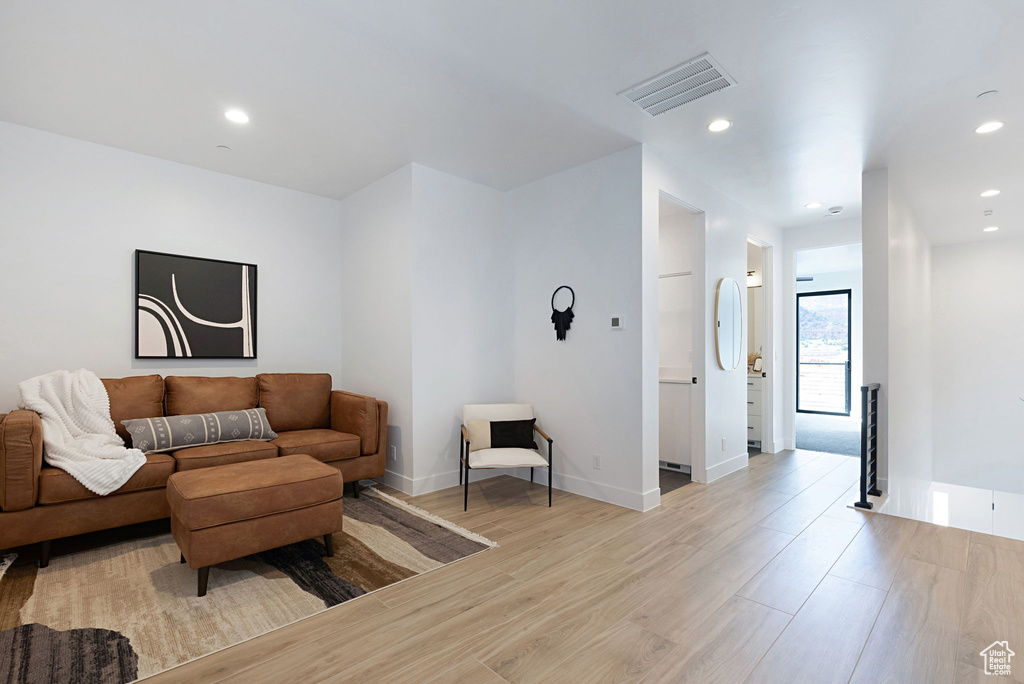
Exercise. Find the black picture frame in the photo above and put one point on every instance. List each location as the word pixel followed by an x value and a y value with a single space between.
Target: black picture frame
pixel 204 328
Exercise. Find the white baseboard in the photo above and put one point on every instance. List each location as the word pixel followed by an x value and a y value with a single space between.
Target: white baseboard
pixel 651 499
pixel 730 466
pixel 789 443
pixel 396 480
pixel 432 483
pixel 778 445
pixel 618 496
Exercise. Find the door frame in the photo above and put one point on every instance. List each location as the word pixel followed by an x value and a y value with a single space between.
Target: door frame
pixel 849 349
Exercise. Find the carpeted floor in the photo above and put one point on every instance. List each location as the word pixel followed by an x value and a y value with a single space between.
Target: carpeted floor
pixel 831 434
pixel 128 609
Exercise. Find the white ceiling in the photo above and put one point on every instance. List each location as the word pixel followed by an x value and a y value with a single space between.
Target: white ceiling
pixel 810 262
pixel 341 93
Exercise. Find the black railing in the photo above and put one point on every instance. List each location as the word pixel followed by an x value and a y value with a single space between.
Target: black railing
pixel 868 444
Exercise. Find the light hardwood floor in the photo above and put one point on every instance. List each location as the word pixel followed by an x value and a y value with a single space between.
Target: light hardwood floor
pixel 762 576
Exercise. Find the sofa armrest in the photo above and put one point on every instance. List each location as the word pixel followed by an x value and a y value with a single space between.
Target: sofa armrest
pixel 357 415
pixel 21 459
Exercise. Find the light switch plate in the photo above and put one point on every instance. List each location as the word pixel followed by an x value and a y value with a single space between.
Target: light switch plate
pixel 617 323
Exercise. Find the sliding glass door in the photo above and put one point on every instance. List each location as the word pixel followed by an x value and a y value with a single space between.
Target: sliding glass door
pixel 823 352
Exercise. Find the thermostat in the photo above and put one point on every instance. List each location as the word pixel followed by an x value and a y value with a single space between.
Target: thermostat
pixel 616 322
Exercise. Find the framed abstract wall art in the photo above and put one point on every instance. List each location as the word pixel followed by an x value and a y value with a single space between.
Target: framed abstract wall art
pixel 190 307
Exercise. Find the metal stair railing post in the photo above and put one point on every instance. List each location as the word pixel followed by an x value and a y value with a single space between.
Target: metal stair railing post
pixel 868 445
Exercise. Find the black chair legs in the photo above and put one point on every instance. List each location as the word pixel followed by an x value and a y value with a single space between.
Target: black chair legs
pixel 44 553
pixel 329 545
pixel 204 579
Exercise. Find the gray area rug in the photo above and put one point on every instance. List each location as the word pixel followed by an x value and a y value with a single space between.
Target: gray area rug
pixel 831 434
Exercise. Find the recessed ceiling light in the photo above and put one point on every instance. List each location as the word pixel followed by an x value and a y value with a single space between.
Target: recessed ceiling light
pixel 812 205
pixel 991 229
pixel 238 116
pixel 719 125
pixel 990 193
pixel 989 126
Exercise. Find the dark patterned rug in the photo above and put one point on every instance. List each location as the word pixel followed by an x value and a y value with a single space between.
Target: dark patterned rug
pixel 127 610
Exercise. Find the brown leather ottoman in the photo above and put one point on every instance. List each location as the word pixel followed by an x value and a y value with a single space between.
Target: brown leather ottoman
pixel 226 512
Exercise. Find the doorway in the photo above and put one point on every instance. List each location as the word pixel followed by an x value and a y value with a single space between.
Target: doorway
pixel 828 364
pixel 676 330
pixel 758 409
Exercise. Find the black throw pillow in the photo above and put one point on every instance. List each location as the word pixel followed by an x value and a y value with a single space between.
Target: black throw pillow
pixel 501 434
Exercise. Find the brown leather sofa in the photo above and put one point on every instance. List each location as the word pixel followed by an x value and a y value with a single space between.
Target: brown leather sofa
pixel 39 503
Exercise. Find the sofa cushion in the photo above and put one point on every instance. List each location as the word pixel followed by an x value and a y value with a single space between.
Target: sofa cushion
pixel 56 486
pixel 185 394
pixel 222 454
pixel 296 401
pixel 506 458
pixel 243 491
pixel 323 445
pixel 170 433
pixel 136 397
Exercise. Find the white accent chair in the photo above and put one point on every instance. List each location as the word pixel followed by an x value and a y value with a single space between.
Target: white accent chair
pixel 499 458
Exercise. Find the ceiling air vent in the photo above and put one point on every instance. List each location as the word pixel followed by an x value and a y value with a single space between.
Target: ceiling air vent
pixel 687 82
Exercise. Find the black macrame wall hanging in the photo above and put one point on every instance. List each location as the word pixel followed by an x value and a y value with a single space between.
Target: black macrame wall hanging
pixel 562 319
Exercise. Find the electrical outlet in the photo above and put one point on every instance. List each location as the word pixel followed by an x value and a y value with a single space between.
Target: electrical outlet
pixel 393 452
pixel 723 444
pixel 597 462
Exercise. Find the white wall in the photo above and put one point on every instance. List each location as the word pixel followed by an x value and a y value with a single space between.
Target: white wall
pixel 375 269
pixel 675 297
pixel 719 401
pixel 910 343
pixel 826 234
pixel 977 334
pixel 582 227
pixel 875 251
pixel 897 329
pixel 427 278
pixel 463 320
pixel 71 215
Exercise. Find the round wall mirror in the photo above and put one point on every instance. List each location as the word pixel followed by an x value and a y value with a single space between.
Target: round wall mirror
pixel 728 324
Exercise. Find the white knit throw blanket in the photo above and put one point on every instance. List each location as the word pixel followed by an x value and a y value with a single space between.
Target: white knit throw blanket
pixel 78 434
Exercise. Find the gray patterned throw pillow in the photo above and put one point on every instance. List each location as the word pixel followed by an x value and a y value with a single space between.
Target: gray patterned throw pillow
pixel 168 433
